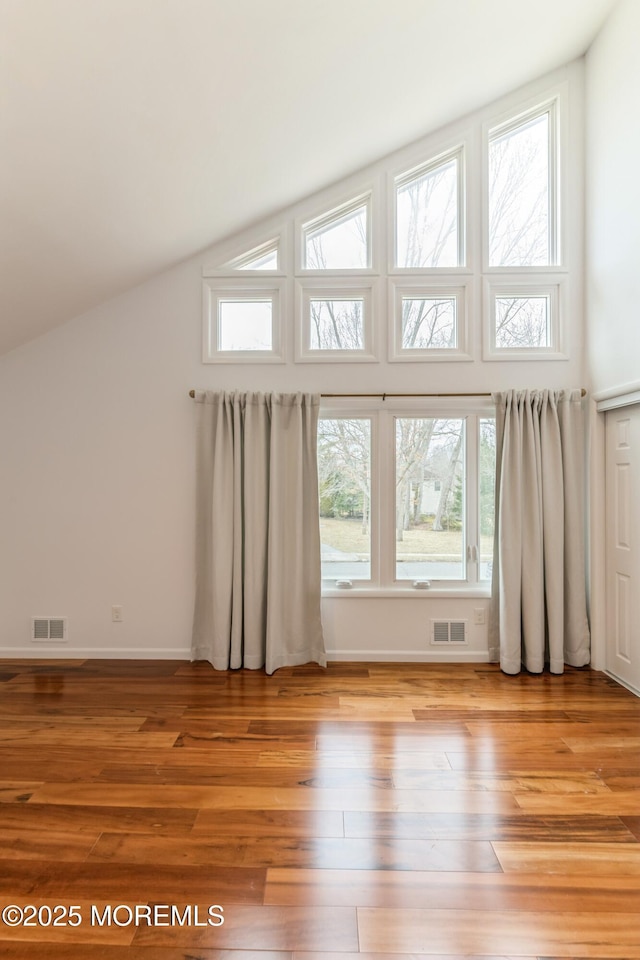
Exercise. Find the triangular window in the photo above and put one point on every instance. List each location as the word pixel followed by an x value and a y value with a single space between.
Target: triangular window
pixel 264 257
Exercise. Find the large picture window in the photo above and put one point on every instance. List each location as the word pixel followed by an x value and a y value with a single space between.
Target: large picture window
pixel 406 496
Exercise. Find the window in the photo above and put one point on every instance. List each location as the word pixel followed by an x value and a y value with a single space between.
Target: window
pixel 522 219
pixel 344 478
pixel 462 249
pixel 336 324
pixel 336 320
pixel 264 257
pixel 486 493
pixel 339 239
pixel 242 322
pixel 428 322
pixel 406 496
pixel 429 529
pixel 523 305
pixel 263 253
pixel 428 212
pixel 523 320
pixel 245 323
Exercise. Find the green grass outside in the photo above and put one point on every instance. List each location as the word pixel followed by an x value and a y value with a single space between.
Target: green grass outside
pixel 347 536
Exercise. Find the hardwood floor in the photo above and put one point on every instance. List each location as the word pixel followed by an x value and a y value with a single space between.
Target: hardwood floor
pixel 365 812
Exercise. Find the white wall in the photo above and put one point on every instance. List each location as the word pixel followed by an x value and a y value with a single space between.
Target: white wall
pixel 613 201
pixel 97 468
pixel 612 205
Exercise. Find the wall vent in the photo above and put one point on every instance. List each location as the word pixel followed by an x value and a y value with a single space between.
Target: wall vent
pixel 448 631
pixel 49 629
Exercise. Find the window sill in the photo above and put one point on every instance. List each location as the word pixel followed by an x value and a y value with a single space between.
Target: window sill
pixel 470 592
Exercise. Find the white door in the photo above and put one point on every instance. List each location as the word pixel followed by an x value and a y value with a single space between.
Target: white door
pixel 623 544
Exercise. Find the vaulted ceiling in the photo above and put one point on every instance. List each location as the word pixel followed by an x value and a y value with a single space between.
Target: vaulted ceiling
pixel 135 133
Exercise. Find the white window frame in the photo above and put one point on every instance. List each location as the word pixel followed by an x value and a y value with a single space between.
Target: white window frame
pixel 235 252
pixel 215 291
pixel 261 250
pixel 337 289
pixel 383 489
pixel 418 288
pixel 407 173
pixel 331 210
pixel 555 104
pixel 522 287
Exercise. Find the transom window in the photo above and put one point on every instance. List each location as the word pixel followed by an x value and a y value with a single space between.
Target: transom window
pixel 523 322
pixel 242 322
pixel 428 211
pixel 523 319
pixel 245 324
pixel 335 320
pixel 264 259
pixel 336 324
pixel 338 240
pixel 429 321
pixel 449 255
pixel 522 220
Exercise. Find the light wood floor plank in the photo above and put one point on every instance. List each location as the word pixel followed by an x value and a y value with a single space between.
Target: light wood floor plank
pixel 447 891
pixel 269 823
pixel 320 853
pixel 615 804
pixel 266 928
pixel 440 826
pixel 85 951
pixel 133 883
pixel 356 760
pixel 598 859
pixel 575 934
pixel 273 798
pixel 37 843
pixel 533 781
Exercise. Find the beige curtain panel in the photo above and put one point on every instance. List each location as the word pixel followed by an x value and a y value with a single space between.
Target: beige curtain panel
pixel 538 607
pixel 257 538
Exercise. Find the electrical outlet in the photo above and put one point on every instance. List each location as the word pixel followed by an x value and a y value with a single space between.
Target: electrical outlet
pixel 116 614
pixel 478 615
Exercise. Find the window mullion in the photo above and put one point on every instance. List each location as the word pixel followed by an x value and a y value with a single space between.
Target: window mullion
pixel 387 498
pixel 472 523
pixel 374 507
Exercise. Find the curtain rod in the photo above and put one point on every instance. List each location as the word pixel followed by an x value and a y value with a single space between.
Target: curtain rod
pixel 384 396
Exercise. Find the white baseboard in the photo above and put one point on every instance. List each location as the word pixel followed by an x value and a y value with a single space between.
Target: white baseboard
pixel 50 651
pixel 409 656
pixel 623 683
pixel 63 651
